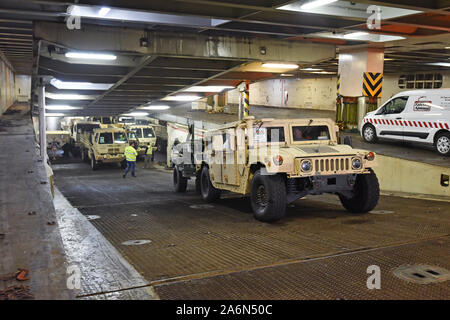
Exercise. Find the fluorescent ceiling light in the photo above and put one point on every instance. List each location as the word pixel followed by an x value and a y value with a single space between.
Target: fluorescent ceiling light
pixel 323 72
pixel 182 98
pixel 61 107
pixel 310 69
pixel 136 114
pixel 316 3
pixel 56 114
pixel 90 55
pixel 207 88
pixel 280 66
pixel 60 96
pixel 388 59
pixel 355 35
pixel 358 36
pixel 156 107
pixel 80 85
pixel 345 9
pixel 440 64
pixel 287 75
pixel 143 16
pixel 103 11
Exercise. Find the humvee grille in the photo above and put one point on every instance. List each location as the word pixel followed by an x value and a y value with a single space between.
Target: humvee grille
pixel 332 165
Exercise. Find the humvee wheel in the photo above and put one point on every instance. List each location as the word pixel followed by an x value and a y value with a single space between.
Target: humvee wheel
pixel 94 164
pixel 268 197
pixel 369 133
pixel 198 186
pixel 179 182
pixel 207 190
pixel 366 194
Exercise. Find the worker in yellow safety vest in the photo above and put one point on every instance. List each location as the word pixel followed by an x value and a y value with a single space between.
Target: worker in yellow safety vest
pixel 148 155
pixel 130 156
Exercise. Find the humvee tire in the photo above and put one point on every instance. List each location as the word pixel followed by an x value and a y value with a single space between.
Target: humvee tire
pixel 198 186
pixel 208 192
pixel 369 133
pixel 367 194
pixel 94 164
pixel 268 197
pixel 179 182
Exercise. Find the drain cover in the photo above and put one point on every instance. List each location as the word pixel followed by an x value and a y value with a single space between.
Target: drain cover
pixel 135 242
pixel 381 212
pixel 422 273
pixel 201 206
pixel 92 217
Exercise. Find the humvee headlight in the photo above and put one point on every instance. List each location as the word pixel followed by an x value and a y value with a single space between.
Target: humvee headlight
pixel 306 165
pixel 370 156
pixel 278 160
pixel 356 163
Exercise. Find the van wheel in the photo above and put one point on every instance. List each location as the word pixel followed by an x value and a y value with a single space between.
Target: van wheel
pixel 179 182
pixel 369 133
pixel 94 164
pixel 366 194
pixel 442 143
pixel 268 197
pixel 208 192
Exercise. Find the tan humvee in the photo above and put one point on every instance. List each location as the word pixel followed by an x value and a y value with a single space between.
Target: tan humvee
pixel 104 145
pixel 277 162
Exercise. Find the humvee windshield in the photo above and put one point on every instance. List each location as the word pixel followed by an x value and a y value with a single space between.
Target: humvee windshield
pixel 148 133
pixel 107 138
pixel 310 133
pixel 268 134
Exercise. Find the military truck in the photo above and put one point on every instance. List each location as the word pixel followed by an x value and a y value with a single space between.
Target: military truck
pixel 57 141
pixel 145 136
pixel 276 162
pixel 104 145
pixel 77 129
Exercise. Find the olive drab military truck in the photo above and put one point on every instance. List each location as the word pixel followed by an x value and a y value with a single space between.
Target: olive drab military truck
pixel 104 145
pixel 146 137
pixel 276 162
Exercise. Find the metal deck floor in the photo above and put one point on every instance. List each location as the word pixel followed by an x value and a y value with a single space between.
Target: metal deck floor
pixel 319 251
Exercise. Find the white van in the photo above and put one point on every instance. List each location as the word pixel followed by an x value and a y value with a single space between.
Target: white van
pixel 416 116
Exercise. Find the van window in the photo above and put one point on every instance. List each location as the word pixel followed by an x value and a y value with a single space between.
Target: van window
pixel 396 105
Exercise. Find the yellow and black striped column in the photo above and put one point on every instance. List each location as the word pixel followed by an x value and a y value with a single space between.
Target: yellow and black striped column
pixel 373 84
pixel 339 84
pixel 246 100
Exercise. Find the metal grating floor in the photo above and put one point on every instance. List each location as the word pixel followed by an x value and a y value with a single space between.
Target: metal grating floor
pixel 189 243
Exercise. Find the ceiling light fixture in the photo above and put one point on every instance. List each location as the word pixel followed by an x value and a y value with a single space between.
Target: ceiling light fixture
pixel 280 66
pixel 90 55
pixel 103 11
pixel 80 85
pixel 56 114
pixel 440 64
pixel 207 88
pixel 136 114
pixel 156 107
pixel 316 4
pixel 287 75
pixel 355 35
pixel 311 69
pixel 61 96
pixel 61 107
pixel 182 98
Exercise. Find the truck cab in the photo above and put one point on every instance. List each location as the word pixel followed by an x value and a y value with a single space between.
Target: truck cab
pixel 145 135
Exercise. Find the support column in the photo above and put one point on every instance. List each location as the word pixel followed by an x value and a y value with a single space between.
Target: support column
pixel 42 123
pixel 244 100
pixel 360 78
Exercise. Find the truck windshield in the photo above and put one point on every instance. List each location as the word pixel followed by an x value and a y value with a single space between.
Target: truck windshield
pixel 120 137
pixel 308 133
pixel 107 138
pixel 268 134
pixel 148 133
pixel 138 132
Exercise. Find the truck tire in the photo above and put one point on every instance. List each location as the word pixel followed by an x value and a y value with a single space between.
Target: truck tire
pixel 369 133
pixel 442 143
pixel 94 164
pixel 208 192
pixel 367 194
pixel 268 197
pixel 198 186
pixel 179 182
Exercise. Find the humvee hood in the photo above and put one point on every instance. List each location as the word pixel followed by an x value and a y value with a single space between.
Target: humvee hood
pixel 321 149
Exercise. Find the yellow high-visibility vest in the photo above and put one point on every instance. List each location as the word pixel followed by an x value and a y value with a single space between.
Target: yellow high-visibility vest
pixel 130 153
pixel 150 150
